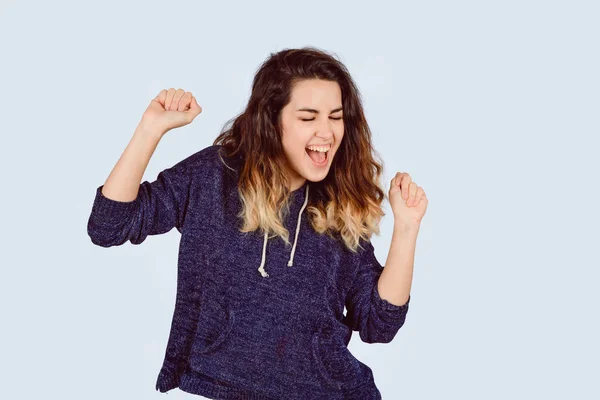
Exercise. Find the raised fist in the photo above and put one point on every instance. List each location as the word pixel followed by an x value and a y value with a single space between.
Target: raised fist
pixel 171 109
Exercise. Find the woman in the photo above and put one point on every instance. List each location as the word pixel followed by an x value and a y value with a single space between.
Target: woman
pixel 256 315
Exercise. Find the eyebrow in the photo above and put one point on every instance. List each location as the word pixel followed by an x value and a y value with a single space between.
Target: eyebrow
pixel 312 110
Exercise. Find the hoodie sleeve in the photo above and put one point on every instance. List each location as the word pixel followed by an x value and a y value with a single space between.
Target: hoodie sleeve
pixel 376 319
pixel 159 207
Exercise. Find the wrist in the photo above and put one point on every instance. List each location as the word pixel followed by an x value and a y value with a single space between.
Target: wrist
pixel 406 229
pixel 149 131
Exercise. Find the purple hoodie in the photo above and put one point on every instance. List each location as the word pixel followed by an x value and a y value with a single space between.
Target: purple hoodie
pixel 254 318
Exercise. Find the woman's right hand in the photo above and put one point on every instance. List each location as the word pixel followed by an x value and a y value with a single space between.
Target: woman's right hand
pixel 170 109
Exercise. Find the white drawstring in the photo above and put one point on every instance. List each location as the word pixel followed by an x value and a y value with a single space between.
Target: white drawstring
pixel 290 263
pixel 261 269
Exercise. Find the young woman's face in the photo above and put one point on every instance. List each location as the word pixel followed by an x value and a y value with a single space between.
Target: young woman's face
pixel 313 117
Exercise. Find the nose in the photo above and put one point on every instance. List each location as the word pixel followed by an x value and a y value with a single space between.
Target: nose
pixel 324 131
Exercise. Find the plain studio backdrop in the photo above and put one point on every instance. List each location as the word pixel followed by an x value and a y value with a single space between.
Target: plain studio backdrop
pixel 492 107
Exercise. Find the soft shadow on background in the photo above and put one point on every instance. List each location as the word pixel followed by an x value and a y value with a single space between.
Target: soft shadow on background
pixel 492 107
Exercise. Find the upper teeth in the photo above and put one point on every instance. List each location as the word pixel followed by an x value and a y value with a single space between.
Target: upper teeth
pixel 321 149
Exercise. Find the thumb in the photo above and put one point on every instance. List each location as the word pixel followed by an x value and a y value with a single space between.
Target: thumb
pixel 195 108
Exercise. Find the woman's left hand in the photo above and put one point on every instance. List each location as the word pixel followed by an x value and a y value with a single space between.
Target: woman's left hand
pixel 408 200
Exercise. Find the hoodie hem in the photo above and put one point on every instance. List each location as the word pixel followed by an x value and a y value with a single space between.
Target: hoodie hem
pixel 203 385
pixel 216 389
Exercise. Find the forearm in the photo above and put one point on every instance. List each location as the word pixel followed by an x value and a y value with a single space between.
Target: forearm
pixel 396 279
pixel 124 180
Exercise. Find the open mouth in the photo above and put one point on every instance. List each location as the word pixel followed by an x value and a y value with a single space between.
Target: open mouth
pixel 319 155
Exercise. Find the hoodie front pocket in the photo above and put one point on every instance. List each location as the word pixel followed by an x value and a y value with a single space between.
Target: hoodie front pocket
pixel 335 364
pixel 215 321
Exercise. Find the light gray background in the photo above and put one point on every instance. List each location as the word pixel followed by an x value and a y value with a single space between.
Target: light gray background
pixel 492 107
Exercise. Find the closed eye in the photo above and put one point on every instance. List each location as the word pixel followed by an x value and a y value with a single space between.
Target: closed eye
pixel 303 119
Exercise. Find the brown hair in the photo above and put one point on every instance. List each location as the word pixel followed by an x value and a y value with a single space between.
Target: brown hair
pixel 348 200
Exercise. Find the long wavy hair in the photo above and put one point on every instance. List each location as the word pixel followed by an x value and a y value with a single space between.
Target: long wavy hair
pixel 346 204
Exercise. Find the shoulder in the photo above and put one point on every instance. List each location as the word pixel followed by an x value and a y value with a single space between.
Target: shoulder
pixel 209 170
pixel 365 252
pixel 207 162
pixel 201 159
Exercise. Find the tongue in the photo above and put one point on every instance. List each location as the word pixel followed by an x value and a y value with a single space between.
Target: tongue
pixel 316 156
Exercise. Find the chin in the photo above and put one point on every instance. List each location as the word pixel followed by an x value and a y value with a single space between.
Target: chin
pixel 316 176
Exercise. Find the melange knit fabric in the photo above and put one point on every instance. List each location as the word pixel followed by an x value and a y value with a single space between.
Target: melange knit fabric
pixel 254 318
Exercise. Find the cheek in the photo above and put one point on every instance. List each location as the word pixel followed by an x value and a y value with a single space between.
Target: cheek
pixel 294 143
pixel 339 135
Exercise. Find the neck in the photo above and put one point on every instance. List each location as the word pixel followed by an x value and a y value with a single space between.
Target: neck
pixel 297 184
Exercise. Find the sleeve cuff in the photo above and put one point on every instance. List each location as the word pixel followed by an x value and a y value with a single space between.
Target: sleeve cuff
pixel 386 305
pixel 109 209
